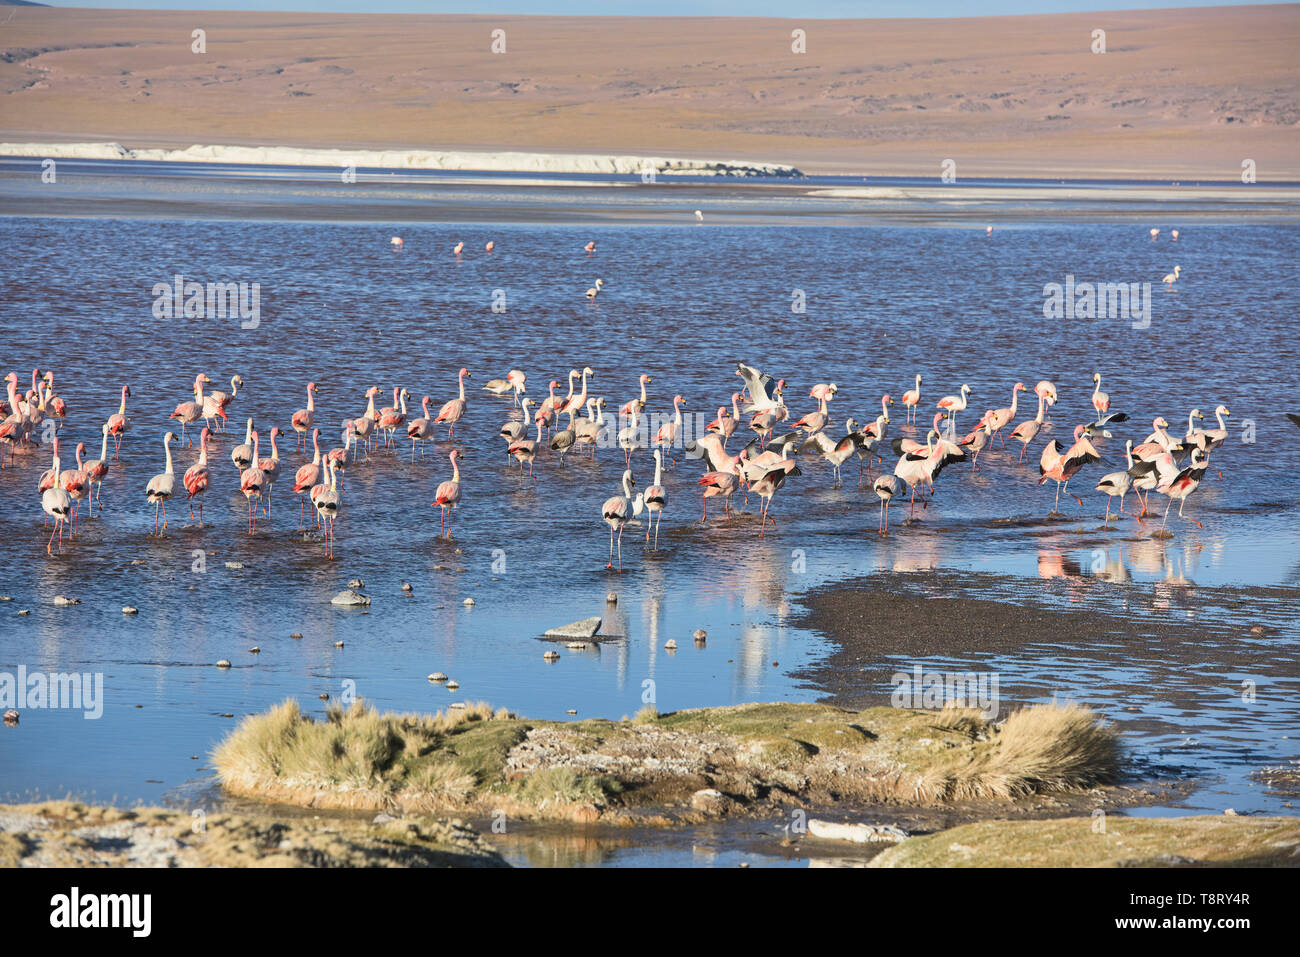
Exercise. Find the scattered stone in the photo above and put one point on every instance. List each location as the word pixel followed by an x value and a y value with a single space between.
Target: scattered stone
pixel 452 685
pixel 776 664
pixel 137 561
pixel 324 696
pixel 857 833
pixel 235 565
pixel 130 610
pixel 709 800
pixel 576 645
pixel 11 718
pixel 1258 630
pixel 612 598
pixel 382 818
pixel 699 636
pixel 460 569
pixel 338 644
pixel 406 587
pixel 671 644
pixel 255 650
pixel 460 551
pixel 350 598
pixel 437 676
pixel 552 656
pixel 572 711
pixel 439 568
pixel 1230 812
pixel 585 628
pixel 356 583
pixel 296 634
pixel 467 602
pixel 63 601
pixel 223 663
pixel 23 611
pixel 6 598
pixel 456 706
pixel 438 607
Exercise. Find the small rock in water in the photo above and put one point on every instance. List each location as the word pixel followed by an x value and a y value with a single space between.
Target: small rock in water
pixel 23 611
pixel 338 644
pixel 671 644
pixel 324 696
pixel 700 635
pixel 460 552
pixel 776 664
pixel 452 685
pixel 437 676
pixel 586 628
pixel 255 650
pixel 576 645
pixel 612 598
pixel 6 598
pixel 130 610
pixel 468 601
pixel 1258 630
pixel 63 600
pixel 857 833
pixel 439 568
pixel 234 564
pixel 223 663
pixel 460 569
pixel 137 561
pixel 296 634
pixel 572 711
pixel 356 583
pixel 11 718
pixel 349 597
pixel 406 587
pixel 709 800
pixel 552 656
pixel 457 706
pixel 1230 812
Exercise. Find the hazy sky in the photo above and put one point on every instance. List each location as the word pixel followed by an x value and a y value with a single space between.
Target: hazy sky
pixel 753 8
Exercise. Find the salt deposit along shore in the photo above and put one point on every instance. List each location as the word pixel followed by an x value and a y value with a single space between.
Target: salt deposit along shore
pixel 498 162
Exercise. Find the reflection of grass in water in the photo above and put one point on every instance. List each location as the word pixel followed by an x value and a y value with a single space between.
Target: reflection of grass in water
pixel 360 758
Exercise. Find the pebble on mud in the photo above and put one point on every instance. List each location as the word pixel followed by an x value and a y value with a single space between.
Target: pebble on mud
pixel 130 610
pixel 552 656
pixel 700 635
pixel 223 663
pixel 63 600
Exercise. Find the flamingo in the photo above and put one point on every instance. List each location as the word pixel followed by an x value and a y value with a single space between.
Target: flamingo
pixel 448 494
pixel 118 423
pixel 667 433
pixel 196 477
pixel 576 402
pixel 453 409
pixel 1157 443
pixel 813 422
pixel 1171 278
pixel 216 402
pixel 656 499
pixel 1026 432
pixel 310 474
pixel 161 486
pixel 328 503
pixel 564 439
pixel 952 404
pixel 766 488
pixel 365 425
pixel 616 512
pixel 514 380
pixel 420 430
pixel 590 247
pixel 912 398
pixel 1100 400
pixel 887 488
pixel 56 503
pixel 998 419
pixel 242 455
pixel 96 469
pixel 1060 466
pixel 250 483
pixel 868 438
pixel 58 408
pixel 1146 475
pixel 191 412
pixel 591 430
pixel 1154 233
pixel 77 486
pixel 1046 390
pixel 458 248
pixel 629 437
pixel 978 440
pixel 824 390
pixel 717 483
pixel 303 419
pixel 594 291
pixel 764 391
pixel 636 404
pixel 1173 234
pixel 515 430
pixel 1182 485
pixel 525 450
pixel 396 242
pixel 491 245
pixel 1118 483
pixel 836 453
pixel 11 429
pixel 392 418
pixel 270 469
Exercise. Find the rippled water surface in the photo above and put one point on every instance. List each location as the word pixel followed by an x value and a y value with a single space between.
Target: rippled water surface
pixel 683 303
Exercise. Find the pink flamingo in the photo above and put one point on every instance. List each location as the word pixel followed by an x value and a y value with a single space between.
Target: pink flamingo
pixel 911 399
pixel 161 486
pixel 1060 466
pixel 216 402
pixel 58 408
pixel 716 484
pixel 656 499
pixel 250 483
pixel 458 248
pixel 887 488
pixel 196 477
pixel 118 422
pixel 1100 400
pixel 191 412
pixel 448 494
pixel 615 513
pixel 998 419
pixel 364 426
pixel 391 418
pixel 590 247
pixel 308 475
pixel 667 433
pixel 453 409
pixel 12 428
pixel 77 486
pixel 96 469
pixel 952 404
pixel 420 430
pixel 56 503
pixel 270 469
pixel 525 450
pixel 637 405
pixel 328 503
pixel 303 419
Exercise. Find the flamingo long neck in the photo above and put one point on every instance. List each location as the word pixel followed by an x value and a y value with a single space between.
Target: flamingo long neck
pixel 584 386
pixel 315 442
pixel 644 397
pixel 275 452
pixel 1015 396
pixel 462 385
pixel 600 414
pixel 918 385
pixel 884 406
pixel 103 452
pixel 198 391
pixel 203 452
pixel 627 486
pixel 1128 452
pixel 121 409
pixel 402 403
pixel 167 447
pixel 370 404
pixel 334 476
pixel 1190 425
pixel 234 387
pixel 56 469
pixel 311 399
pixel 659 467
pixel 1223 426
pixel 248 433
pixel 1096 389
pixel 539 432
pixel 1042 404
pixel 252 464
pixel 455 469
pixel 677 414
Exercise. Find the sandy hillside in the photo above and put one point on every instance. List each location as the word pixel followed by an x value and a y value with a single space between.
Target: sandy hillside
pixel 1179 94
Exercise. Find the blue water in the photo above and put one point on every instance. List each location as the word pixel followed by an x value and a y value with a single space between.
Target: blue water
pixel 683 303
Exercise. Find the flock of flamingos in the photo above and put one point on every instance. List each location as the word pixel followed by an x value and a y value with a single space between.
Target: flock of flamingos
pixel 1165 463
